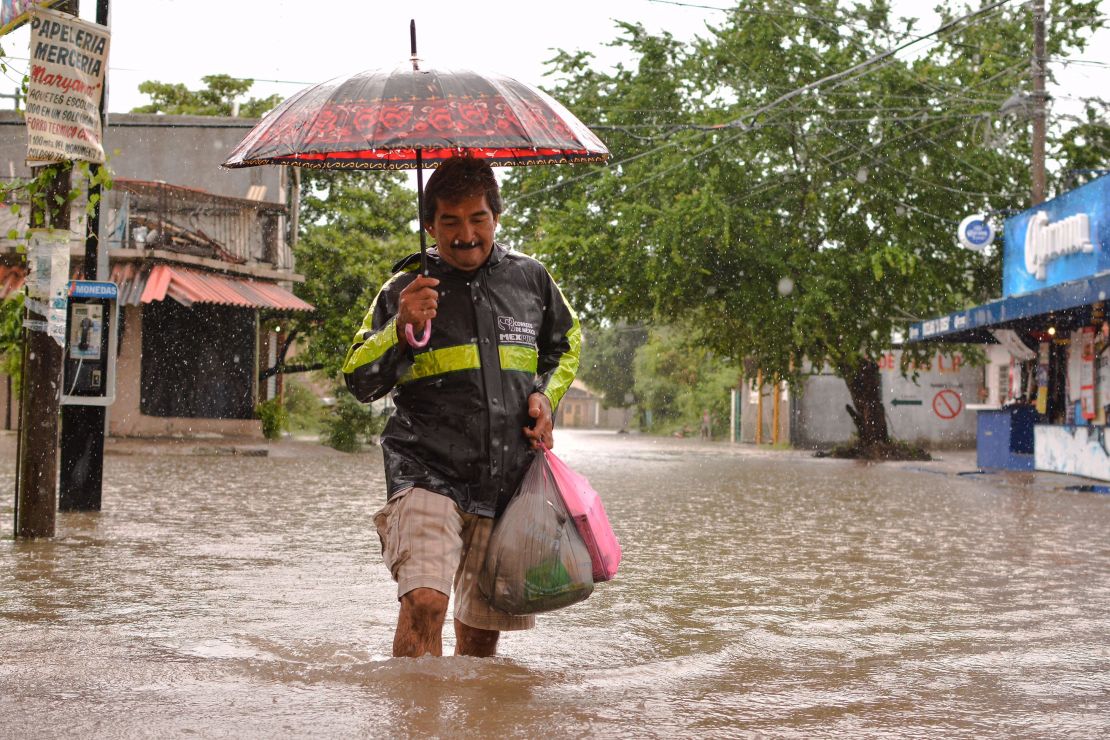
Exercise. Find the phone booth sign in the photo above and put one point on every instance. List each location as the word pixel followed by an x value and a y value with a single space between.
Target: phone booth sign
pixel 89 372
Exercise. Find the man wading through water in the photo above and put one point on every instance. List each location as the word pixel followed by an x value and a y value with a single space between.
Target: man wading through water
pixel 470 405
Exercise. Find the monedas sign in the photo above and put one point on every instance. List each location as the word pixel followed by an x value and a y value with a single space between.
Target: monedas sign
pixel 1062 239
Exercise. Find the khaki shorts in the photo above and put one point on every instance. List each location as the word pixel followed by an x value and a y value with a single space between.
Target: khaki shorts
pixel 428 542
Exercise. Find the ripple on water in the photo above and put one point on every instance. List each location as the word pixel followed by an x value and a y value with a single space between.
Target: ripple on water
pixel 759 593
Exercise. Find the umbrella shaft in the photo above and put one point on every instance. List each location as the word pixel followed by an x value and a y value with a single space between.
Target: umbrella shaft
pixel 420 212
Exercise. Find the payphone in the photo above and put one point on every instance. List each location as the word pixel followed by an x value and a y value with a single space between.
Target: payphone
pixel 89 362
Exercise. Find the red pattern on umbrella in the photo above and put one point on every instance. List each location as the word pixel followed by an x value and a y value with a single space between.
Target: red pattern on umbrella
pixel 378 119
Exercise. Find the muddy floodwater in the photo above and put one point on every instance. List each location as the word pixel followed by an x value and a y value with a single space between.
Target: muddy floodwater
pixel 760 593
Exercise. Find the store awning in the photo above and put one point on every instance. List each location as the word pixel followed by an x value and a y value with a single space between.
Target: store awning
pixel 188 286
pixel 1062 306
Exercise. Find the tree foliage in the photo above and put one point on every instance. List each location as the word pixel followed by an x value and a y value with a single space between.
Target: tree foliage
pixel 11 338
pixel 608 362
pixel 816 226
pixel 354 227
pixel 216 98
pixel 677 379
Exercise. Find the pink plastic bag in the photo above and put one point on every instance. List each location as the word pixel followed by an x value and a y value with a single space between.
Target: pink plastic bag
pixel 584 506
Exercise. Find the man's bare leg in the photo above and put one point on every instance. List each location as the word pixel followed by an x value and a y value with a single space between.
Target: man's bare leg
pixel 420 624
pixel 475 642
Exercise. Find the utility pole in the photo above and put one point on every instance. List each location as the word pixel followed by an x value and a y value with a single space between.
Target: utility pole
pixel 82 472
pixel 1039 97
pixel 41 389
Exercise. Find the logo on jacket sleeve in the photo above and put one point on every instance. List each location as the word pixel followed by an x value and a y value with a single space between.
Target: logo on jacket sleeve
pixel 515 332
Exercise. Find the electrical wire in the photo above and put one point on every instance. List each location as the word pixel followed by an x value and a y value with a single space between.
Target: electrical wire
pixel 857 151
pixel 757 126
pixel 841 78
pixel 593 173
pixel 861 67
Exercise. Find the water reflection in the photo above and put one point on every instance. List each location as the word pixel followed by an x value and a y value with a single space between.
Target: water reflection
pixel 759 593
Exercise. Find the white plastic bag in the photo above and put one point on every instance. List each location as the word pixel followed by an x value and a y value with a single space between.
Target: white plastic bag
pixel 536 560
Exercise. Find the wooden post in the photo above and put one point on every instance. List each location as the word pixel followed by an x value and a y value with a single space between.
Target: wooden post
pixel 759 407
pixel 37 464
pixel 775 413
pixel 1038 74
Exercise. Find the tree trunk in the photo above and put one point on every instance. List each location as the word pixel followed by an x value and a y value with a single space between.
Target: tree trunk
pixel 865 386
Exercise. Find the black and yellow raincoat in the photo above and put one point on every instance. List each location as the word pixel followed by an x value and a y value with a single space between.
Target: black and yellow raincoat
pixel 500 334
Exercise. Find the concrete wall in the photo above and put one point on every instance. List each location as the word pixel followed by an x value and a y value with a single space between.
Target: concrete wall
pixel 819 416
pixel 931 411
pixel 943 388
pixel 588 413
pixel 180 150
pixel 1072 450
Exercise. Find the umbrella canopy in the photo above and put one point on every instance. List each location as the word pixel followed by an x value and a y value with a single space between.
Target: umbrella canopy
pixel 405 118
pixel 411 118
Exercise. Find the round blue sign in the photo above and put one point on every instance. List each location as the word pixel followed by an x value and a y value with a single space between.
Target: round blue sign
pixel 976 233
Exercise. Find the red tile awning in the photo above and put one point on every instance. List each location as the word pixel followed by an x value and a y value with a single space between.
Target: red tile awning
pixel 188 286
pixel 184 285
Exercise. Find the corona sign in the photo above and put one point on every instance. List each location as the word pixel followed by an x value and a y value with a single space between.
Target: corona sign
pixel 1060 241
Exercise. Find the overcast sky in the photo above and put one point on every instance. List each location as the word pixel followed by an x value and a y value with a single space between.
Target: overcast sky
pixel 286 45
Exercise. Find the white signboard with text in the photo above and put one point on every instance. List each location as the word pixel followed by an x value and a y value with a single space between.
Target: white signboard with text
pixel 69 58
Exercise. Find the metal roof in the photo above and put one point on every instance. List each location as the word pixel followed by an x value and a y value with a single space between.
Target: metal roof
pixel 138 285
pixel 1064 306
pixel 188 286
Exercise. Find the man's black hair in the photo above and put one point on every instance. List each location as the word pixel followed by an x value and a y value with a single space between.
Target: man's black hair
pixel 458 178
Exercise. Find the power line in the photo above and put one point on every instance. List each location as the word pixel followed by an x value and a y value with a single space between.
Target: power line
pixel 757 126
pixel 239 79
pixel 861 67
pixel 857 151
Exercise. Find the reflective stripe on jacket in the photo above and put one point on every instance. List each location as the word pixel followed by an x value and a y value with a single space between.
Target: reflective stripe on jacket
pixel 500 334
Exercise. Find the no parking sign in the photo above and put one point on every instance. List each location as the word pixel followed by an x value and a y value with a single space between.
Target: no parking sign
pixel 947 404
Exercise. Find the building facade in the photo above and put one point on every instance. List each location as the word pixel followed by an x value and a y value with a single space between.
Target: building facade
pixel 203 260
pixel 931 406
pixel 1049 377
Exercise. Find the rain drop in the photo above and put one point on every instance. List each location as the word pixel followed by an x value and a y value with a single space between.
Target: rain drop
pixel 786 286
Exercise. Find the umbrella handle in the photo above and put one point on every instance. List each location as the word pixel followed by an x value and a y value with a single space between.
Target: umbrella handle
pixel 423 341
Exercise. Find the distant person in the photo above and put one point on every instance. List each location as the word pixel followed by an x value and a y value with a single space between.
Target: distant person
pixel 706 425
pixel 471 407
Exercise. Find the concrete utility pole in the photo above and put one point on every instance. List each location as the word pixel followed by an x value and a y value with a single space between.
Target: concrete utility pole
pixel 1039 98
pixel 82 472
pixel 37 463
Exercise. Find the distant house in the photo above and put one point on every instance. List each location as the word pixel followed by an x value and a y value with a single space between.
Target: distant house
pixel 581 408
pixel 204 266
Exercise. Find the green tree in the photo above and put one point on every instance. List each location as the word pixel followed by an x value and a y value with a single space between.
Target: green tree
pixel 780 222
pixel 607 365
pixel 354 227
pixel 217 98
pixel 677 379
pixel 11 339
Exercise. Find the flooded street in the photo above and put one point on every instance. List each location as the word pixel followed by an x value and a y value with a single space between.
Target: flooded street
pixel 769 593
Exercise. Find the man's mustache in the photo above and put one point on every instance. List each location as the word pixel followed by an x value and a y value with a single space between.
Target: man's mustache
pixel 465 245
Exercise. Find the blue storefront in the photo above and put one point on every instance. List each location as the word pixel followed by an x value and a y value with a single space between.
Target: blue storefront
pixel 1054 386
